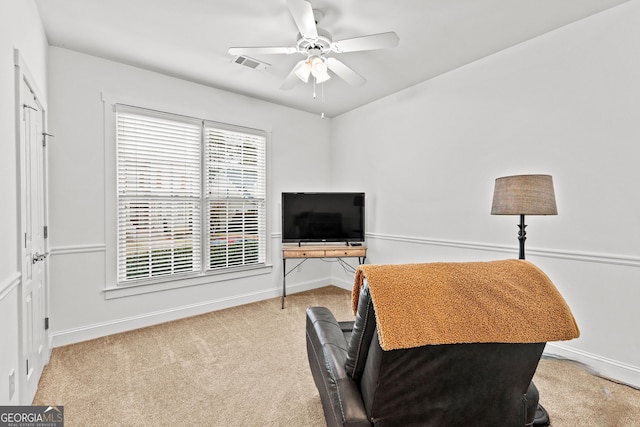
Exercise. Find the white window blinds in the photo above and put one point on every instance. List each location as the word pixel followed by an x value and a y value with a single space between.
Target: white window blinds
pixel 163 202
pixel 235 197
pixel 158 196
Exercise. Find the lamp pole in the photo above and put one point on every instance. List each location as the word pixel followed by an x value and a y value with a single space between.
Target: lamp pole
pixel 522 236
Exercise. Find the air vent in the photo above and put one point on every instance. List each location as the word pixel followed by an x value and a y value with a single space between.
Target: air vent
pixel 251 63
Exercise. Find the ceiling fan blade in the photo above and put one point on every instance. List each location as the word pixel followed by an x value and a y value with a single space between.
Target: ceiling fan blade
pixel 291 80
pixel 302 13
pixel 267 50
pixel 344 72
pixel 374 41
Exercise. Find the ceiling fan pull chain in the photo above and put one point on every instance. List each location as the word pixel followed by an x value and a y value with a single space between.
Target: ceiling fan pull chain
pixel 314 87
pixel 322 95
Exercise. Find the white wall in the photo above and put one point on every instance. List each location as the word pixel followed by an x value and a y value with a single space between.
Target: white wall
pixel 564 104
pixel 15 16
pixel 82 206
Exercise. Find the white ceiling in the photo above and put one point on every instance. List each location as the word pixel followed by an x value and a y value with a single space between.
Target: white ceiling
pixel 189 39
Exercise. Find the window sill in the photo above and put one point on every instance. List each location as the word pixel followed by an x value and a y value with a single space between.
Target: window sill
pixel 168 284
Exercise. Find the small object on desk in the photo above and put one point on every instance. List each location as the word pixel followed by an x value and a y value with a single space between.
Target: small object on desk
pixel 356 244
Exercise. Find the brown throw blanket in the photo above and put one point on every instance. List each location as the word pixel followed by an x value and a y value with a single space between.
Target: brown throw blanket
pixel 510 301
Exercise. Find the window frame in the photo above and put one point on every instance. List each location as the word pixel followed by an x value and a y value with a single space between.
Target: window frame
pixel 113 287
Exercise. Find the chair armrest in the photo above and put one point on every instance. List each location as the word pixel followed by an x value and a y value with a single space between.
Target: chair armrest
pixel 327 351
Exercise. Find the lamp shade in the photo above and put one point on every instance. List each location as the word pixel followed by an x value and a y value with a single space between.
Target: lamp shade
pixel 319 70
pixel 303 71
pixel 524 195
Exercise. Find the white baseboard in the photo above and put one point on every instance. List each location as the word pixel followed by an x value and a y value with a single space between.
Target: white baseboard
pixel 604 367
pixel 97 330
pixel 342 283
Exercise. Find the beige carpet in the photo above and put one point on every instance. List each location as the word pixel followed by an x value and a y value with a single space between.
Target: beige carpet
pixel 247 366
pixel 573 396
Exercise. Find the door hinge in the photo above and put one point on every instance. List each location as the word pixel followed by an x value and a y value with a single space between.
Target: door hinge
pixel 27 366
pixel 46 231
pixel 46 323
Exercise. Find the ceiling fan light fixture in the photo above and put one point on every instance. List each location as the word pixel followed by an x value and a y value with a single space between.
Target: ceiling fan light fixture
pixel 304 71
pixel 322 77
pixel 319 70
pixel 318 66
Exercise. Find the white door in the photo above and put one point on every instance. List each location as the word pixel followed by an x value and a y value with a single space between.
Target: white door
pixel 35 351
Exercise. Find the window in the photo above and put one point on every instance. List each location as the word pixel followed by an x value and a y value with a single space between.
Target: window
pixel 235 197
pixel 190 195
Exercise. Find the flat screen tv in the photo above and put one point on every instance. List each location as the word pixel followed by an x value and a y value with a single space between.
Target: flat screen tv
pixel 322 217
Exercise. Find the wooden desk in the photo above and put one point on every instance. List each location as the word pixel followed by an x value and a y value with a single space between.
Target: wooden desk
pixel 294 251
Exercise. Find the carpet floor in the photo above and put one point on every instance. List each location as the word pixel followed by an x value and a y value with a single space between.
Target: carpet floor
pixel 247 366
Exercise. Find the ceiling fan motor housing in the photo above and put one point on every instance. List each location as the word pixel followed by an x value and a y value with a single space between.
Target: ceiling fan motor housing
pixel 322 43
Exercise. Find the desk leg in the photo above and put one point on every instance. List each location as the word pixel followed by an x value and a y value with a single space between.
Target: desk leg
pixel 284 280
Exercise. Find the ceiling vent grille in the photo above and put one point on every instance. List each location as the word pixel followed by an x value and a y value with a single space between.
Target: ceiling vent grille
pixel 251 62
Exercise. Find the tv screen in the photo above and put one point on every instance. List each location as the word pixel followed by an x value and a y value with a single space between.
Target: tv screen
pixel 322 217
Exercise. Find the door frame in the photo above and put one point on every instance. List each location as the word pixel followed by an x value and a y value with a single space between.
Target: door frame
pixel 24 76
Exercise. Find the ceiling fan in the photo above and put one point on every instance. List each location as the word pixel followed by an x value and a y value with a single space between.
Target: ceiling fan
pixel 316 44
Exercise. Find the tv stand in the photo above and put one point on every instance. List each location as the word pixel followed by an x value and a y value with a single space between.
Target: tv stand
pixel 317 251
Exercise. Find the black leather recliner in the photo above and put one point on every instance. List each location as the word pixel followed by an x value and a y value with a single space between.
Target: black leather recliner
pixel 476 384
